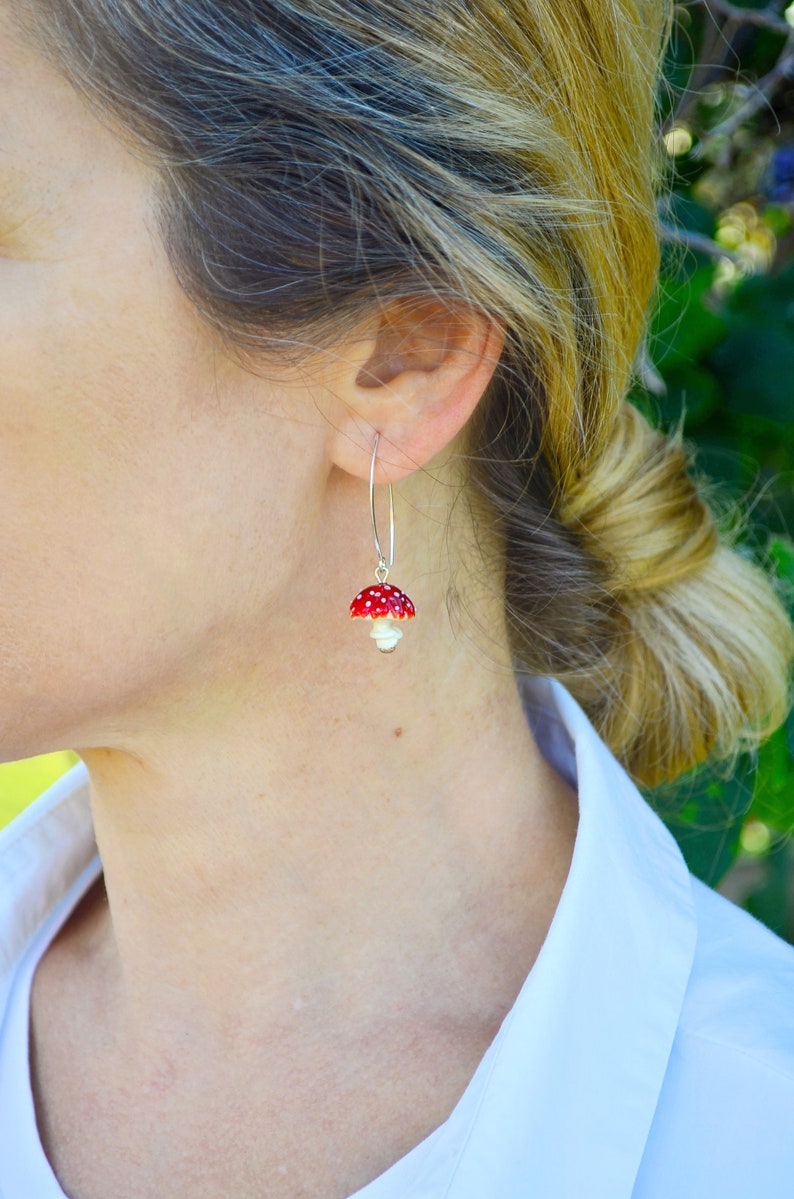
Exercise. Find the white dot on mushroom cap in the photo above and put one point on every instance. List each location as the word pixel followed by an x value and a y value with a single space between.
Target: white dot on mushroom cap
pixel 368 604
pixel 359 595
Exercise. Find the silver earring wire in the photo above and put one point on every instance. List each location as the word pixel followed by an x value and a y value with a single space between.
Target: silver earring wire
pixel 382 569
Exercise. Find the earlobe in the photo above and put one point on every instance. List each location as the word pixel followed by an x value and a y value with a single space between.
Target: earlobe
pixel 416 382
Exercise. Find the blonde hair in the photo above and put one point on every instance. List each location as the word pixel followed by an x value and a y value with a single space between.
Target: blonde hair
pixel 318 155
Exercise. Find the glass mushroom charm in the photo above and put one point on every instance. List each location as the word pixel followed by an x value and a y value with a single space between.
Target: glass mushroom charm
pixel 383 604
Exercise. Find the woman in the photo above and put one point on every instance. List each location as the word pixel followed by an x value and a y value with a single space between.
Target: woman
pixel 263 262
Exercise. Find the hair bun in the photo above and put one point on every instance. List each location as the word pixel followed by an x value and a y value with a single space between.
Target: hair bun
pixel 639 511
pixel 697 661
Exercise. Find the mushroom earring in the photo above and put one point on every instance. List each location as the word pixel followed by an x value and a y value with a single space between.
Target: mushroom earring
pixel 383 604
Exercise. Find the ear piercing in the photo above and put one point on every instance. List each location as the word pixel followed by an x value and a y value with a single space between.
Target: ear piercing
pixel 384 604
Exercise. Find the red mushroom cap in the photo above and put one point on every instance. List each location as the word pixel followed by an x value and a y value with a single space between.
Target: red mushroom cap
pixel 383 599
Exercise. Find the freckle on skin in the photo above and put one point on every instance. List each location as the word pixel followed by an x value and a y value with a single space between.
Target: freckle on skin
pixel 398 732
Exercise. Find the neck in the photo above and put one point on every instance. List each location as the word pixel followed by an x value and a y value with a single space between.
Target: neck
pixel 328 837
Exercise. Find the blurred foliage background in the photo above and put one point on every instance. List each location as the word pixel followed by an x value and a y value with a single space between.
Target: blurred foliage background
pixel 720 358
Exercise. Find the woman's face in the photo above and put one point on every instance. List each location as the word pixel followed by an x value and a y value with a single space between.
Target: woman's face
pixel 150 490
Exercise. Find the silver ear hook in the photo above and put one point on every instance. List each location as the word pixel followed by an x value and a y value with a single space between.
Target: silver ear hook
pixel 384 605
pixel 382 569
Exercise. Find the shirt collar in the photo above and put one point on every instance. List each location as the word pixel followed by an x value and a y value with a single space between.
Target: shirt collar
pixel 575 1073
pixel 43 852
pixel 563 1100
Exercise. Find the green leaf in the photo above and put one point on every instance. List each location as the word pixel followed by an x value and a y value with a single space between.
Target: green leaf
pixel 755 366
pixel 685 212
pixel 707 819
pixel 766 300
pixel 692 390
pixel 777 219
pixel 781 554
pixel 685 325
pixel 773 801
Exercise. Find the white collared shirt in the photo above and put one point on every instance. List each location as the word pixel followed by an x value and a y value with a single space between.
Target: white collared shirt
pixel 649 1054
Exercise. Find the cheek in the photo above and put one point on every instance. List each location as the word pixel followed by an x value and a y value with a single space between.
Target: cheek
pixel 129 503
pixel 67 543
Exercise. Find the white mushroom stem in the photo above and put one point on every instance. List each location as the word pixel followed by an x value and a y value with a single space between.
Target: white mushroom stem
pixel 385 634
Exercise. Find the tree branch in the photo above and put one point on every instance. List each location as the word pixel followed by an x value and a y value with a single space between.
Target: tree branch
pixel 714 51
pixel 759 96
pixel 675 235
pixel 765 18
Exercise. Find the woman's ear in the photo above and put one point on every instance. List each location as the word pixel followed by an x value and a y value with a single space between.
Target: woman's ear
pixel 415 376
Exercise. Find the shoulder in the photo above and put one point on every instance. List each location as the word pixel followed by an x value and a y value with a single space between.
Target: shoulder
pixel 741 989
pixel 723 1122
